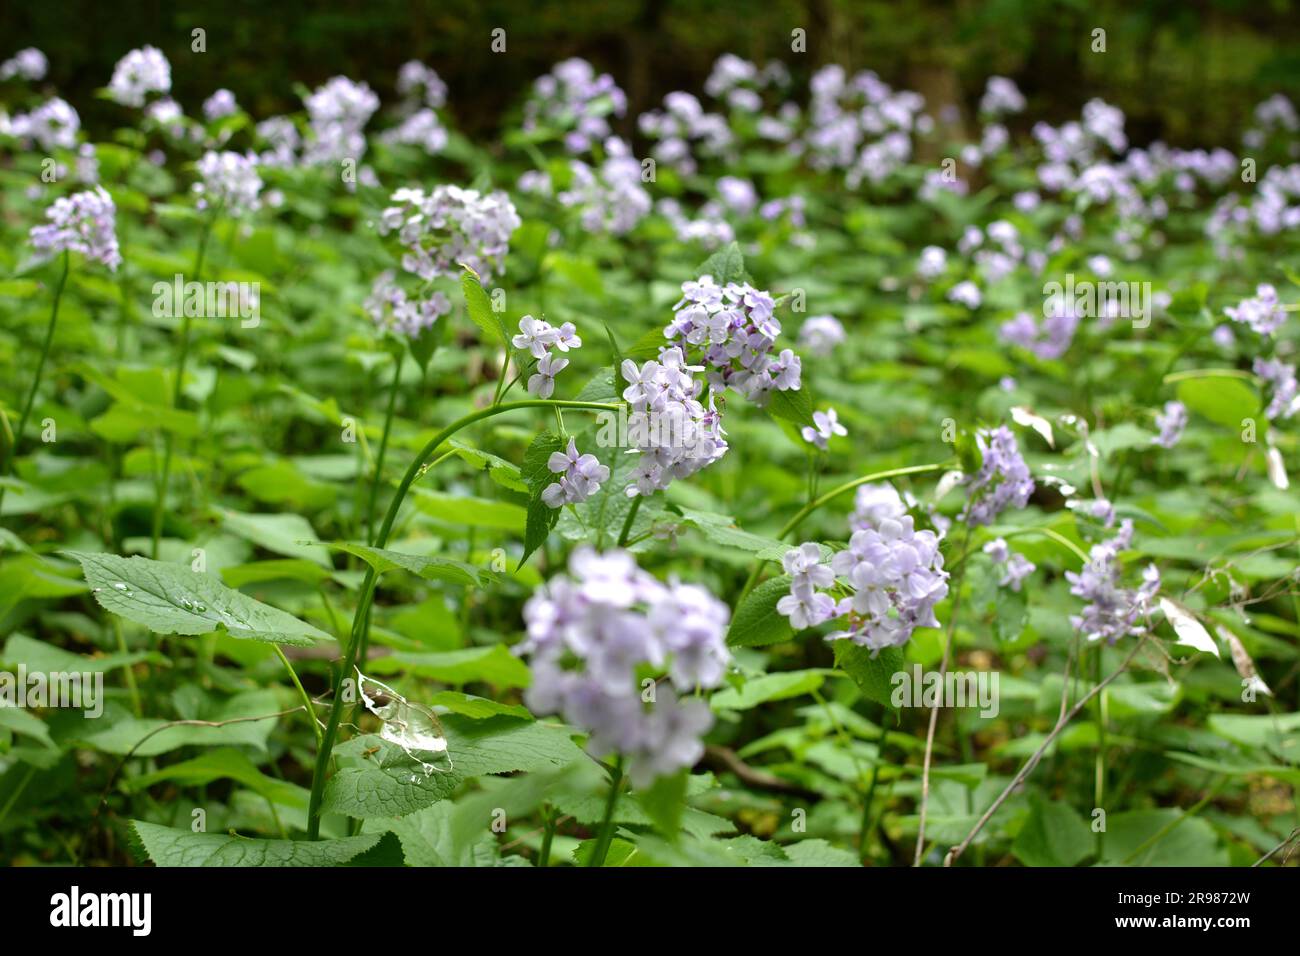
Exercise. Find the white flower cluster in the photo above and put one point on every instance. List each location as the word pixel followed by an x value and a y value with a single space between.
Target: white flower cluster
pixel 229 180
pixel 52 125
pixel 449 226
pixel 138 74
pixel 590 633
pixel 339 111
pixel 29 64
pixel 537 337
pixel 220 105
pixel 392 310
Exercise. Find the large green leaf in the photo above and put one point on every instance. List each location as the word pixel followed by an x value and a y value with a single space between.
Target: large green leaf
pixel 168 846
pixel 480 309
pixel 172 599
pixel 871 673
pixel 430 567
pixel 756 621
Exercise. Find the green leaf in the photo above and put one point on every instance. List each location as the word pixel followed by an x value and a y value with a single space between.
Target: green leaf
pixel 768 687
pixel 172 599
pixel 1223 400
pixel 490 665
pixel 663 802
pixel 224 763
pixel 725 265
pixel 1054 835
pixel 793 406
pixel 429 567
pixel 756 621
pixel 721 529
pixel 287 534
pixel 871 674
pixel 391 784
pixel 168 846
pixel 536 475
pixel 253 713
pixel 470 511
pixel 480 309
pixel 504 473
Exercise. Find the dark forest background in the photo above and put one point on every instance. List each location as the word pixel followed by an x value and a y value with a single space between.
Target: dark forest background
pixel 1187 71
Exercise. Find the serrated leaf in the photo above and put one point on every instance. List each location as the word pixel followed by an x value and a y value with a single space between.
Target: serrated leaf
pixel 429 567
pixel 725 265
pixel 168 846
pixel 756 621
pixel 172 599
pixel 480 309
pixel 536 475
pixel 873 675
pixel 793 406
pixel 721 529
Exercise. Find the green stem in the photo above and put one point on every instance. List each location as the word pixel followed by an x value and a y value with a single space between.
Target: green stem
pixel 128 669
pixel 302 693
pixel 177 389
pixel 383 448
pixel 548 834
pixel 831 495
pixel 1099 783
pixel 361 615
pixel 11 456
pixel 607 823
pixel 624 534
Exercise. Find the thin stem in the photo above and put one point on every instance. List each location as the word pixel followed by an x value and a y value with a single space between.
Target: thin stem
pixel 630 520
pixel 177 389
pixel 1032 762
pixel 958 575
pixel 1099 782
pixel 831 495
pixel 130 674
pixel 607 823
pixel 11 456
pixel 361 615
pixel 302 693
pixel 383 448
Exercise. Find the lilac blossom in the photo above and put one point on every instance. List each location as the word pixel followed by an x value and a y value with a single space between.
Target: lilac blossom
pixel 1285 400
pixel 575 100
pixel 1263 313
pixel 588 634
pixel 1003 480
pixel 391 309
pixel 449 226
pixel 338 110
pixel 821 334
pixel 229 180
pixel 219 105
pixel 85 222
pixel 138 74
pixel 1015 567
pixel 873 503
pixel 580 476
pixel 1171 423
pixel 29 64
pixel 1111 611
pixel 825 425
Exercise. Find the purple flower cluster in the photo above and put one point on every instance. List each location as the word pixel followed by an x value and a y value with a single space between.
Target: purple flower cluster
pixel 580 477
pixel 592 636
pixel 736 329
pixel 1171 423
pixel 682 130
pixel 449 226
pixel 220 105
pixel 741 83
pixel 573 98
pixel 1263 313
pixel 1285 401
pixel 610 198
pixel 1003 480
pixel 84 222
pixel 1001 97
pixel 821 334
pixel 1111 611
pixel 392 310
pixel 423 129
pixel 897 577
pixel 422 84
pixel 668 425
pixel 230 180
pixel 1048 339
pixel 1016 567
pixel 873 503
